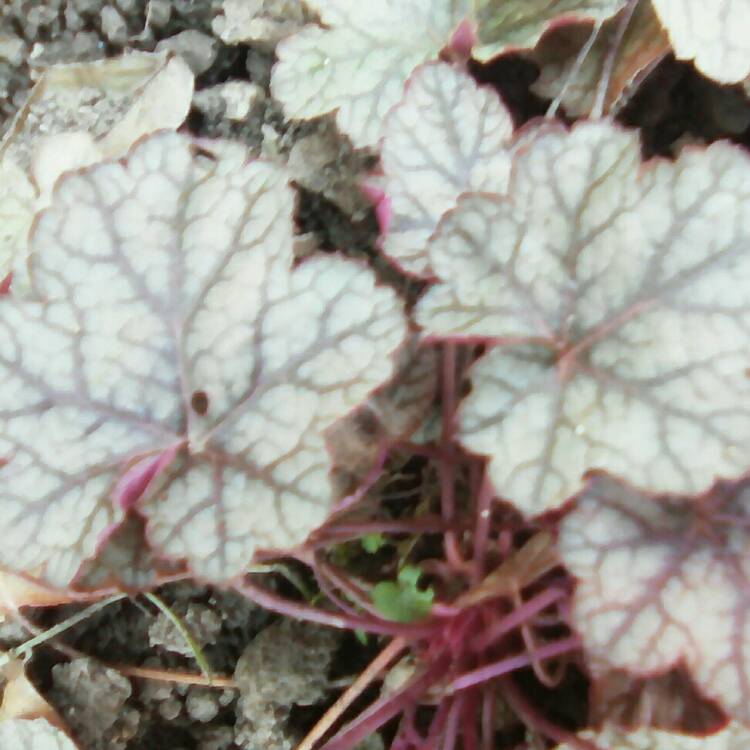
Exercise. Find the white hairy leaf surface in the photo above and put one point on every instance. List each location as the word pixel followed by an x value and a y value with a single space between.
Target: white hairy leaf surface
pixel 733 737
pixel 447 136
pixel 617 308
pixel 714 35
pixel 176 359
pixel 358 63
pixel 503 25
pixel 663 580
pixel 33 734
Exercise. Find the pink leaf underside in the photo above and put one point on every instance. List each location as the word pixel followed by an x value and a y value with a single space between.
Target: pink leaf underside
pixel 134 483
pixel 180 362
pixel 381 204
pixel 615 300
pixel 462 40
pixel 665 581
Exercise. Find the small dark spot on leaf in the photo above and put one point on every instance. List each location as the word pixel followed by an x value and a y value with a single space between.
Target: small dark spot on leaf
pixel 199 402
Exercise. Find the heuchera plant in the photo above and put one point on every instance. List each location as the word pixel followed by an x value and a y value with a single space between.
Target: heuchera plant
pixel 175 373
pixel 174 359
pixel 610 299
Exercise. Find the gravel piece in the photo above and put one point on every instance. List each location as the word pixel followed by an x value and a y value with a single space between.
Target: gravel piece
pixel 235 100
pixel 286 664
pixel 197 49
pixel 93 700
pixel 263 23
pixel 203 623
pixel 202 704
pixel 323 162
pixel 114 26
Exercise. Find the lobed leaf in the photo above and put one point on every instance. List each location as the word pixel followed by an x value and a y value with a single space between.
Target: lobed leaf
pixel 36 734
pixel 713 35
pixel 177 361
pixel 430 156
pixel 619 310
pixel 356 63
pixel 663 581
pixel 733 737
pixel 402 600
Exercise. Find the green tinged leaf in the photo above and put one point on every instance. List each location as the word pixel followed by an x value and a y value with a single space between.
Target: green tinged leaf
pixel 361 636
pixel 401 600
pixel 372 542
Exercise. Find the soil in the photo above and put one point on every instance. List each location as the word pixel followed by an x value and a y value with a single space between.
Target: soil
pixel 280 675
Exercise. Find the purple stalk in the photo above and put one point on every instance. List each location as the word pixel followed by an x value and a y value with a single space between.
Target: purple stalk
pixel 407 735
pixel 437 725
pixel 139 477
pixel 535 721
pixel 502 667
pixel 327 588
pixel 518 616
pixel 482 530
pixel 371 477
pixel 488 717
pixel 283 606
pixel 431 452
pixel 445 468
pixel 384 709
pixel 325 573
pixel 450 734
pixel 340 532
pixel 469 707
